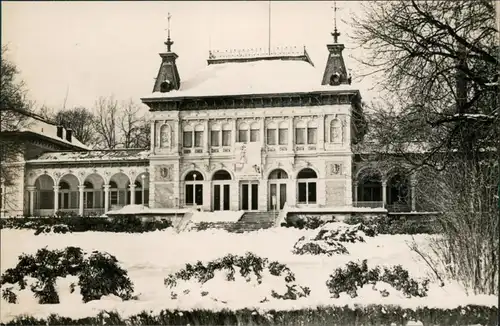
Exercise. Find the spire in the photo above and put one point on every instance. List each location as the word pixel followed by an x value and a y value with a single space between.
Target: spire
pixel 335 70
pixel 335 33
pixel 169 42
pixel 168 78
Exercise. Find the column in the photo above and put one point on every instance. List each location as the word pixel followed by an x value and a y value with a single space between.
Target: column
pixel 233 134
pixel 206 147
pixel 355 194
pixel 132 194
pixel 413 198
pixel 56 198
pixel 153 135
pixel 290 134
pixel 106 198
pixel 262 132
pixel 291 192
pixel 384 194
pixel 31 190
pixel 321 132
pixel 207 195
pixel 80 206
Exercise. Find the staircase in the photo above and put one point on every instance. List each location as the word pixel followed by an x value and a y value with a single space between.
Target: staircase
pixel 251 221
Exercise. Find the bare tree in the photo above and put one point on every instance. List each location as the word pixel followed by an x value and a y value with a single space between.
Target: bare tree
pixel 81 121
pixel 437 60
pixel 134 128
pixel 106 122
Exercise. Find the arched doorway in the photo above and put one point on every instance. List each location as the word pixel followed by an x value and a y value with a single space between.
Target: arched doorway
pixel 221 198
pixel 43 200
pixel 193 189
pixel 118 191
pixel 307 186
pixel 93 195
pixel 398 193
pixel 370 189
pixel 68 193
pixel 277 189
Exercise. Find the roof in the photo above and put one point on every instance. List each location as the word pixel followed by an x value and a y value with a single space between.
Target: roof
pixel 254 77
pixel 49 130
pixel 95 155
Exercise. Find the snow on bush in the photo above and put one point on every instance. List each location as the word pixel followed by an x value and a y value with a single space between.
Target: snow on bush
pixel 49 273
pixel 328 239
pixel 252 275
pixel 58 228
pixel 385 280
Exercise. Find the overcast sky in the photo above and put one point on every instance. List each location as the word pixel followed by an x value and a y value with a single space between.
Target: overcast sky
pixel 92 49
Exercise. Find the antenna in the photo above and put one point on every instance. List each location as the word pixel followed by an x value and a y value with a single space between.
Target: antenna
pixel 269 35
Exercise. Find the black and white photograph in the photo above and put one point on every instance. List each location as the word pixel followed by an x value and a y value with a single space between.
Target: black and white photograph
pixel 250 163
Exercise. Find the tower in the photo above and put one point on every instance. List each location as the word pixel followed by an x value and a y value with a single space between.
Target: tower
pixel 335 70
pixel 168 76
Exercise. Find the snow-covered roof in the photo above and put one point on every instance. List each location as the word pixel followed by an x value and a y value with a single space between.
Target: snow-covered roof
pixel 254 77
pixel 49 130
pixel 95 155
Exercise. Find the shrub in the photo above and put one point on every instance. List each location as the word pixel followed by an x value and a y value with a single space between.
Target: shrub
pixel 248 264
pixel 328 240
pixel 98 275
pixel 129 224
pixel 356 275
pixel 307 221
pixel 394 224
pixel 358 315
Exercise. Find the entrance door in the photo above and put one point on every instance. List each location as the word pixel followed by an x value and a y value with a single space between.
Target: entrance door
pixel 249 196
pixel 278 190
pixel 221 197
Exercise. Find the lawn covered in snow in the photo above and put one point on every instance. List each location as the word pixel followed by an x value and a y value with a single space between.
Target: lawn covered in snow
pixel 150 257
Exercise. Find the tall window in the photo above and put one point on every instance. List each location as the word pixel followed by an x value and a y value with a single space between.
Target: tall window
pixel 88 193
pixel 193 189
pixel 271 134
pixel 254 132
pixel 283 133
pixel 226 135
pixel 306 133
pixel 214 136
pixel 306 186
pixel 113 193
pixel 193 137
pixel 243 133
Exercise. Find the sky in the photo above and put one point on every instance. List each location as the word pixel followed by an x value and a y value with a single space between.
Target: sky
pixel 71 53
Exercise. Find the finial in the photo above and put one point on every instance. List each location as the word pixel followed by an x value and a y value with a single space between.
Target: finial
pixel 169 42
pixel 335 33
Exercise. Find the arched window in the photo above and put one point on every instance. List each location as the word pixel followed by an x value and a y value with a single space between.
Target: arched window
pixel 221 175
pixel 187 136
pixel 193 194
pixel 243 131
pixel 215 136
pixel 306 186
pixel 335 131
pixel 370 187
pixel 254 132
pixel 88 185
pixel 283 133
pixel 63 185
pixel 278 174
pixel 226 135
pixel 271 136
pixel 198 136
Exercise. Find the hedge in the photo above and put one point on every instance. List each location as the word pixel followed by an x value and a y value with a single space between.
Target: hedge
pixel 130 224
pixel 334 316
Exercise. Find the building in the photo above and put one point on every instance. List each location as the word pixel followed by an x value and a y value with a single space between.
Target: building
pixel 254 131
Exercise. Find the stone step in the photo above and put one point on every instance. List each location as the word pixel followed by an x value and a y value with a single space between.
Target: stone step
pixel 237 227
pixel 258 217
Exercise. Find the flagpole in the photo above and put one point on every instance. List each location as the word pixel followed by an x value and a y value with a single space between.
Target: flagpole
pixel 269 35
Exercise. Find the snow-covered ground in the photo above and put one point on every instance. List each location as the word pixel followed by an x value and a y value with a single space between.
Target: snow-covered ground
pixel 150 257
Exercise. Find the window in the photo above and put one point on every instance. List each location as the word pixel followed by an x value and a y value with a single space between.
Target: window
pixel 198 139
pixel 300 136
pixel 271 136
pixel 311 135
pixel 113 193
pixel 226 135
pixel 214 137
pixel 283 133
pixel 254 133
pixel 243 133
pixel 306 187
pixel 187 139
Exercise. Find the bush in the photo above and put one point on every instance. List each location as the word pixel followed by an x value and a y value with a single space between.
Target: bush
pixel 335 316
pixel 248 264
pixel 98 275
pixel 356 275
pixel 126 223
pixel 328 240
pixel 307 221
pixel 394 224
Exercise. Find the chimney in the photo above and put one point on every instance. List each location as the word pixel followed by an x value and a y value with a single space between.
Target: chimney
pixel 60 131
pixel 69 132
